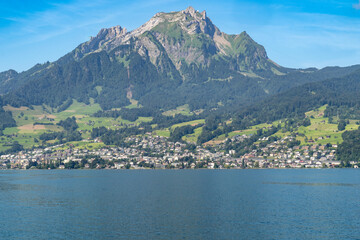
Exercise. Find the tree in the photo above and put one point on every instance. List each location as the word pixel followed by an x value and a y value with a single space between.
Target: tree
pixel 16 147
pixel 69 124
pixel 349 149
pixel 341 125
pixel 306 122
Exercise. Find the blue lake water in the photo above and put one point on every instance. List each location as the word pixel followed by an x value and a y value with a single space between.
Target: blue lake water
pixel 180 204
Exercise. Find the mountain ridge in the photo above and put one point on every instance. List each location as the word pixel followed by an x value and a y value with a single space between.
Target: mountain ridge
pixel 175 31
pixel 173 59
pixel 162 59
pixel 177 68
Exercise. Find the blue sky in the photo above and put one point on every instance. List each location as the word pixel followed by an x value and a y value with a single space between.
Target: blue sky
pixel 295 33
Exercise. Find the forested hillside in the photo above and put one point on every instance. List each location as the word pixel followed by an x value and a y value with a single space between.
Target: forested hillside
pixel 178 76
pixel 338 93
pixel 349 150
pixel 6 119
pixel 174 59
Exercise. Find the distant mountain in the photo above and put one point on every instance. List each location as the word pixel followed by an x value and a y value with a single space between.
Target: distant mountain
pixel 298 77
pixel 341 95
pixel 6 80
pixel 185 37
pixel 10 80
pixel 174 59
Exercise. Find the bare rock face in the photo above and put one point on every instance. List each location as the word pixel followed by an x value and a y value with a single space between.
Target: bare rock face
pixel 187 35
pixel 191 21
pixel 178 34
pixel 105 36
pixel 173 59
pixel 106 39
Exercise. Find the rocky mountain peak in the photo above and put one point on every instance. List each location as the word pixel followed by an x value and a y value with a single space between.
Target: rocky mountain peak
pixel 190 20
pixel 190 10
pixel 182 35
pixel 106 39
pixel 203 14
pixel 109 33
pixel 194 13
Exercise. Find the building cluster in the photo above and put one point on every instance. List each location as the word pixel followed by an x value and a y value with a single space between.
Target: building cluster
pixel 279 154
pixel 157 152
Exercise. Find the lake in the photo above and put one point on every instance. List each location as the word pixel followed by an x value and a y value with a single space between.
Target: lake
pixel 180 204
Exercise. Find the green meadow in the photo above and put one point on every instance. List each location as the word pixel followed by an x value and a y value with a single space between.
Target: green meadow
pixel 31 123
pixel 184 110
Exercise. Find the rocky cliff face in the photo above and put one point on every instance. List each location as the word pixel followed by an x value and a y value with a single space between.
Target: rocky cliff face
pixel 186 37
pixel 173 59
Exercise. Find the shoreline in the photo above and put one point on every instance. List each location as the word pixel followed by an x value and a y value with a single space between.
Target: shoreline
pixel 175 169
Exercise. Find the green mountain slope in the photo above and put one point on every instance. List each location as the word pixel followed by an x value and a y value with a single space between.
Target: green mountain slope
pixel 341 95
pixel 173 59
pixel 6 119
pixel 6 79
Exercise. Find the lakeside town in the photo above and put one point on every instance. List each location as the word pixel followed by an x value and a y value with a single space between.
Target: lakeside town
pixel 156 152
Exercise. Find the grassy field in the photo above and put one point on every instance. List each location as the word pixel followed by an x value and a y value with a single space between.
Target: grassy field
pixel 14 134
pixel 193 137
pixel 190 137
pixel 27 131
pixel 320 131
pixel 192 123
pixel 134 104
pixel 162 133
pixel 78 110
pixel 184 110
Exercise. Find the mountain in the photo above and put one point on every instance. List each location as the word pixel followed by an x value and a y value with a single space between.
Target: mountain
pixel 10 80
pixel 174 63
pixel 6 80
pixel 180 57
pixel 298 77
pixel 6 119
pixel 185 37
pixel 173 59
pixel 341 95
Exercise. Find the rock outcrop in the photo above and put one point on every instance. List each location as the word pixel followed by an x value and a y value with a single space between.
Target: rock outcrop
pixel 186 36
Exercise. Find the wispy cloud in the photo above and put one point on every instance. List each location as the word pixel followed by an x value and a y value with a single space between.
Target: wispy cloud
pixel 357 6
pixel 31 36
pixel 310 39
pixel 307 33
pixel 64 18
